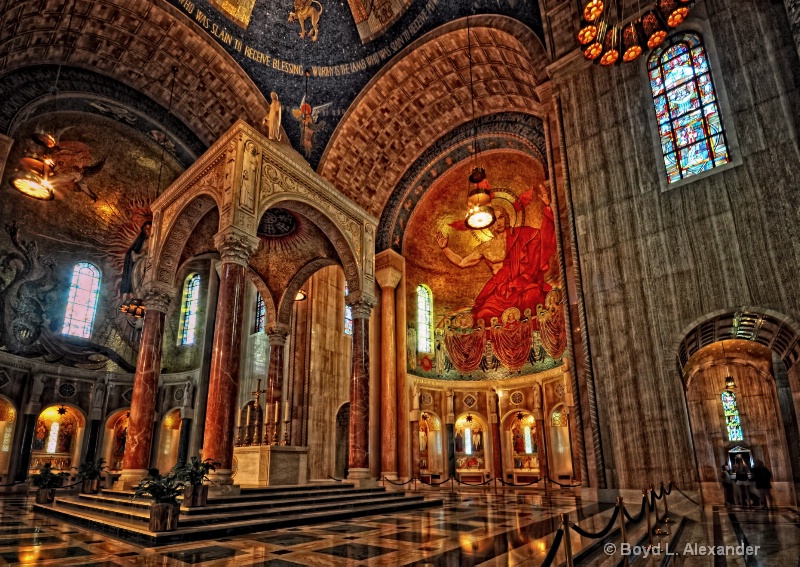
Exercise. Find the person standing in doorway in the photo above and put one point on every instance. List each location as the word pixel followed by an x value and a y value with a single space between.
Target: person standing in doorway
pixel 741 473
pixel 762 477
pixel 727 484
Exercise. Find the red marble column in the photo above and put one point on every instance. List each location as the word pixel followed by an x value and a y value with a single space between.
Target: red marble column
pixel 359 391
pixel 277 349
pixel 139 443
pixel 223 386
pixel 388 278
pixel 497 445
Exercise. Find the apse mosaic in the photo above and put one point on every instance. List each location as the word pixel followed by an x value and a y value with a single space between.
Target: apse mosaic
pixel 490 303
pixel 342 44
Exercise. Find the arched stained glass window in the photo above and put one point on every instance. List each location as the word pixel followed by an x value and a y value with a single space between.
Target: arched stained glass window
pixel 732 420
pixel 687 109
pixel 528 440
pixel 82 301
pixel 468 441
pixel 52 438
pixel 261 314
pixel 191 299
pixel 348 314
pixel 424 319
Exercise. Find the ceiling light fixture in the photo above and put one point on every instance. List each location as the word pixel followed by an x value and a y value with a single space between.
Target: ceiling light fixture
pixel 480 213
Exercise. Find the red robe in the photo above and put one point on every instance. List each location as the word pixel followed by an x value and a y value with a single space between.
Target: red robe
pixel 520 282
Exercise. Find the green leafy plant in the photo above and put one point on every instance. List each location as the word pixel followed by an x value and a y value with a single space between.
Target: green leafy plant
pixel 161 489
pixel 92 470
pixel 46 478
pixel 195 472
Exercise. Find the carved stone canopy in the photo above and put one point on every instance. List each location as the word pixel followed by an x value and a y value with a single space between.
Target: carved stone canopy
pixel 243 175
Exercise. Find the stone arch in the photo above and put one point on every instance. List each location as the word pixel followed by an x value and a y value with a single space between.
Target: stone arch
pixel 347 244
pixel 770 328
pixel 386 129
pixel 165 264
pixel 136 42
pixel 287 300
pixel 263 290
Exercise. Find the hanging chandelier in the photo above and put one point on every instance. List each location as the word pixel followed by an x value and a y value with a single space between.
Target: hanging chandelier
pixel 480 213
pixel 608 44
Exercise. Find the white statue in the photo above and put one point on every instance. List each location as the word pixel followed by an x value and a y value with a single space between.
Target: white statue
pixel 537 396
pixel 449 395
pixel 187 394
pixel 273 120
pixel 37 388
pixel 423 440
pixel 415 397
pixel 99 395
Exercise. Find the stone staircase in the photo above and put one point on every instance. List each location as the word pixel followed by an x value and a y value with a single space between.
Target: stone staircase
pixel 114 512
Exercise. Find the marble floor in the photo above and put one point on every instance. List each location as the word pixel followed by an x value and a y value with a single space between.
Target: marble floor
pixel 473 528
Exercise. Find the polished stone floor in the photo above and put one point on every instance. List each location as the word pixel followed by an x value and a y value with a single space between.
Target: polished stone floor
pixel 473 528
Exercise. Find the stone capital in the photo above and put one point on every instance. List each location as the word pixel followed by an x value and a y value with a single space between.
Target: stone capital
pixel 235 245
pixel 362 306
pixel 158 296
pixel 277 333
pixel 388 277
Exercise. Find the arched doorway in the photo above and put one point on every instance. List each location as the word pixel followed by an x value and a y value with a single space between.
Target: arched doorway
pixel 521 456
pixel 734 410
pixel 431 453
pixel 170 439
pixel 58 438
pixel 560 453
pixel 8 419
pixel 115 439
pixel 470 442
pixel 342 440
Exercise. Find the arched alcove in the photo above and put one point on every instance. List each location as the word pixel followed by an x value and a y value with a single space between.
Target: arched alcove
pixel 560 447
pixel 431 444
pixel 471 447
pixel 522 453
pixel 169 440
pixel 115 439
pixel 58 438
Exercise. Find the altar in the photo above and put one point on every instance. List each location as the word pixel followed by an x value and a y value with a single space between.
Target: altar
pixel 270 465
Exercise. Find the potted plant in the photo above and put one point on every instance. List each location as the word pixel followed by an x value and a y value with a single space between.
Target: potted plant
pixel 46 482
pixel 90 473
pixel 164 491
pixel 194 475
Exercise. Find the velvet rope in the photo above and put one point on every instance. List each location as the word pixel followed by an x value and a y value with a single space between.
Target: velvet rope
pixel 473 484
pixel 551 553
pixel 638 518
pixel 409 481
pixel 433 483
pixel 602 533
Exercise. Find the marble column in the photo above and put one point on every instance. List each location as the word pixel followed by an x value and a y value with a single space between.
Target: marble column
pixel 277 348
pixel 5 149
pixel 30 413
pixel 403 436
pixel 358 466
pixel 388 277
pixel 497 445
pixel 136 460
pixel 235 247
pixel 414 417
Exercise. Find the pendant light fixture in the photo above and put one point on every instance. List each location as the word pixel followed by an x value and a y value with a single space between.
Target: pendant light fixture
pixel 135 307
pixel 626 40
pixel 480 213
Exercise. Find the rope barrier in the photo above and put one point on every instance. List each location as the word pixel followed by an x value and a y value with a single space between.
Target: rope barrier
pixel 472 484
pixel 518 485
pixel 685 496
pixel 433 483
pixel 334 478
pixel 409 481
pixel 638 518
pixel 602 533
pixel 564 485
pixel 551 553
pixel 16 482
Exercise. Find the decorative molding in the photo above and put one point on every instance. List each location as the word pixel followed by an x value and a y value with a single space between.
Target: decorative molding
pixel 236 246
pixel 158 297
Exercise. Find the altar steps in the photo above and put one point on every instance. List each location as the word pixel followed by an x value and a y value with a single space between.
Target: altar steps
pixel 257 509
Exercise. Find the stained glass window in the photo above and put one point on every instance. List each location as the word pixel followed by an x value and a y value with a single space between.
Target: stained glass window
pixel 261 314
pixel 528 440
pixel 191 299
pixel 424 319
pixel 348 314
pixel 52 439
pixel 82 301
pixel 732 420
pixel 468 441
pixel 687 109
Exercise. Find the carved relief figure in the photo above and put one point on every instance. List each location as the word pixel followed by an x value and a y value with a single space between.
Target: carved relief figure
pixel 135 263
pixel 272 121
pixel 307 10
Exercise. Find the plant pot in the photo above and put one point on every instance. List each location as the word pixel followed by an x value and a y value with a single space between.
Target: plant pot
pixel 164 517
pixel 90 486
pixel 195 496
pixel 45 495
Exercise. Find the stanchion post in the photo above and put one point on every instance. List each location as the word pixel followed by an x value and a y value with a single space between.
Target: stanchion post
pixel 567 542
pixel 452 482
pixel 415 484
pixel 622 532
pixel 649 518
pixel 667 519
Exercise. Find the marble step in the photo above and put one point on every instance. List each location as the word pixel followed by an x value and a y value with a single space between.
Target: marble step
pixel 260 500
pixel 248 492
pixel 136 531
pixel 213 516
